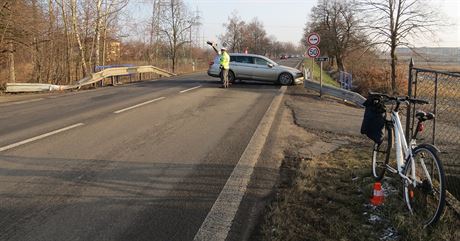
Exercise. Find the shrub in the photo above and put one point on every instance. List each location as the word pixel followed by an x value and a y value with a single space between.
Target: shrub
pixel 373 74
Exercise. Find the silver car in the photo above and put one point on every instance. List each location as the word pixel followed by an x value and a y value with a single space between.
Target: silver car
pixel 256 67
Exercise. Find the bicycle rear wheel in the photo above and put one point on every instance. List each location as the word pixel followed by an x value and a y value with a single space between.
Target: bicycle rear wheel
pixel 381 153
pixel 427 200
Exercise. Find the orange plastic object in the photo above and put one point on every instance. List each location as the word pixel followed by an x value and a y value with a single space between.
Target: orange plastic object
pixel 377 198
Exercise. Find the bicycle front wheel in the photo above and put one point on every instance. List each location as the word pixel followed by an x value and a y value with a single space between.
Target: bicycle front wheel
pixel 381 153
pixel 425 200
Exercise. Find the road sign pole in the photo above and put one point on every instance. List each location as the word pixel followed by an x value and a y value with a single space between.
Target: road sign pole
pixel 312 66
pixel 313 51
pixel 321 80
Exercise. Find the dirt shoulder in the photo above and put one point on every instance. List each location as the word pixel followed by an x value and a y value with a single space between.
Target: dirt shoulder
pixel 325 184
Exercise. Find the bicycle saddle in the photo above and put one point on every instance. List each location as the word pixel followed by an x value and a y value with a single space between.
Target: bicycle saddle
pixel 423 116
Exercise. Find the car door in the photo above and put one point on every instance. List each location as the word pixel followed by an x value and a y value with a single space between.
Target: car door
pixel 243 66
pixel 262 71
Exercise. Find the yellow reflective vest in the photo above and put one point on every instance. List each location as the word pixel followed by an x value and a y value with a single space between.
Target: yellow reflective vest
pixel 225 60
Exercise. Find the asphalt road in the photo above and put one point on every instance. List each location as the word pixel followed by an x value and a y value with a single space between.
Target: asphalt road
pixel 143 161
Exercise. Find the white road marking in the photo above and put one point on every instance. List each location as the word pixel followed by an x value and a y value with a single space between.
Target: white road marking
pixel 219 220
pixel 196 87
pixel 138 105
pixel 39 137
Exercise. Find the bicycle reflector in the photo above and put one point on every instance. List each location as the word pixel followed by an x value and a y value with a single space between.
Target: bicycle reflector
pixel 420 127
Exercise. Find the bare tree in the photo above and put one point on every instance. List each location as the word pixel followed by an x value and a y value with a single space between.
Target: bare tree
pixel 234 33
pixel 175 24
pixel 337 24
pixel 255 37
pixel 112 10
pixel 58 41
pixel 6 41
pixel 97 31
pixel 16 30
pixel 76 32
pixel 393 23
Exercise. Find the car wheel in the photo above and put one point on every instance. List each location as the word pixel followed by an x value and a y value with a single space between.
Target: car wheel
pixel 231 77
pixel 285 79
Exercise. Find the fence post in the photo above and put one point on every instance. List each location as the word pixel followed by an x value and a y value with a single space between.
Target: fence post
pixel 409 93
pixel 436 83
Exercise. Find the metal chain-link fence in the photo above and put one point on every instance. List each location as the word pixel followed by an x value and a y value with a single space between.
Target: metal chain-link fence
pixel 442 90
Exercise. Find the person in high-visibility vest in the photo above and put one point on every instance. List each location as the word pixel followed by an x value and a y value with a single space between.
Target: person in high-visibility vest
pixel 224 66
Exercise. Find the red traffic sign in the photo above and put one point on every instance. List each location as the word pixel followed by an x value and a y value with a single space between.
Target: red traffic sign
pixel 313 39
pixel 313 51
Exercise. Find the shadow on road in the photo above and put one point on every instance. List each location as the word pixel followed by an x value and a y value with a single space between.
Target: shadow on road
pixel 48 198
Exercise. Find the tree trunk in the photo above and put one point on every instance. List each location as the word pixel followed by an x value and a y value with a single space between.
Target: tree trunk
pixel 104 46
pixel 173 58
pixel 12 71
pixel 393 68
pixel 67 44
pixel 36 53
pixel 97 33
pixel 50 63
pixel 339 60
pixel 393 45
pixel 393 71
pixel 77 36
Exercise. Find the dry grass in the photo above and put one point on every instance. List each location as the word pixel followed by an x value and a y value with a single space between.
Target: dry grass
pixel 327 199
pixel 377 78
pixel 454 67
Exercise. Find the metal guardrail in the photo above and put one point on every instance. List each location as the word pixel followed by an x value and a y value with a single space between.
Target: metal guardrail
pixel 336 92
pixel 93 78
pixel 34 87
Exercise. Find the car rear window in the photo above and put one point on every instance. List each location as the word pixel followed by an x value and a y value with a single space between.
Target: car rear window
pixel 244 59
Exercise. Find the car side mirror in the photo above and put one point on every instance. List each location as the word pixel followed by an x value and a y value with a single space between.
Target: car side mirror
pixel 270 65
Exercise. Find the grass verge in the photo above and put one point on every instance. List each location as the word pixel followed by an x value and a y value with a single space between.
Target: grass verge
pixel 326 198
pixel 327 79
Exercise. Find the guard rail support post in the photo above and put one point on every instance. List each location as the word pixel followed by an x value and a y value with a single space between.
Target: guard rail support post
pixel 304 73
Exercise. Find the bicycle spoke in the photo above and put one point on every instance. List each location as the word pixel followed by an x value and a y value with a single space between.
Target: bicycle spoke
pixel 427 199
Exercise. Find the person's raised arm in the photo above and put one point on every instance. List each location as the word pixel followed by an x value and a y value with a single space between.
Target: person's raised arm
pixel 214 46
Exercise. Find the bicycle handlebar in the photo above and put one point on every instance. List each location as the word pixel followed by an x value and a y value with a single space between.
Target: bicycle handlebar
pixel 399 99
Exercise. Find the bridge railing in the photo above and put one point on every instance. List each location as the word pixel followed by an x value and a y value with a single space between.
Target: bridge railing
pixel 91 79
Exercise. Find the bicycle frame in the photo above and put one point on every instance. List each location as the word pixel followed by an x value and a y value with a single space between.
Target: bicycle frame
pixel 418 183
pixel 402 148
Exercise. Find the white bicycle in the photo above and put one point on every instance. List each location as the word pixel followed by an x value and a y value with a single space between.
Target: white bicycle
pixel 419 166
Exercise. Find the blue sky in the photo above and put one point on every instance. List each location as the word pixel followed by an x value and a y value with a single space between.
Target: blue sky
pixel 285 19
